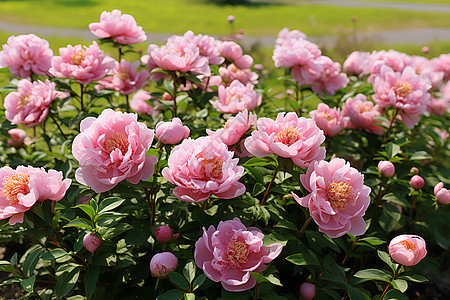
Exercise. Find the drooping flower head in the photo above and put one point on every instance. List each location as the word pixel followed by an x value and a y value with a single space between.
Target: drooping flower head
pixel 236 97
pixel 229 253
pixel 234 128
pixel 203 167
pixel 112 148
pixel 362 113
pixel 330 120
pixel 338 198
pixel 407 249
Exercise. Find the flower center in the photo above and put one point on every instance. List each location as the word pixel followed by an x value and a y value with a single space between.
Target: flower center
pixel 119 141
pixel 326 115
pixel 123 76
pixel 339 194
pixel 237 253
pixel 213 167
pixel 78 58
pixel 363 108
pixel 170 50
pixel 403 88
pixel 24 101
pixel 289 135
pixel 236 97
pixel 410 246
pixel 15 184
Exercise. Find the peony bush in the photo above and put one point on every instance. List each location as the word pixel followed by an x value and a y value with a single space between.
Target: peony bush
pixel 191 173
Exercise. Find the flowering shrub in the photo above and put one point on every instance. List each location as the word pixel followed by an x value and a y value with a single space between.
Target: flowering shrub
pixel 185 174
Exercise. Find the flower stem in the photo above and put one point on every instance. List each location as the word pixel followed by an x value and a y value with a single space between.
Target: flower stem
pixel 81 97
pixel 350 251
pixel 270 183
pixel 389 284
pixel 175 87
pixel 390 125
pixel 426 213
pixel 304 227
pixel 128 103
pixel 411 210
pixel 57 125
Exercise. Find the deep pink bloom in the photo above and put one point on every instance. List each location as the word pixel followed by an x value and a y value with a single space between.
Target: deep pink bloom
pixel 138 103
pixel 288 136
pixel 330 120
pixel 233 52
pixel 26 54
pixel 83 65
pixel 405 91
pixel 163 263
pixel 386 168
pixel 417 182
pixel 125 77
pixel 91 242
pixel 232 72
pixel 236 97
pixel 308 290
pixel 362 113
pixel 442 194
pixel 407 249
pixel 414 171
pixel 338 198
pixel 164 234
pixel 172 132
pixel 234 128
pixel 356 62
pixel 23 187
pixel 19 138
pixel 229 253
pixel 112 148
pixel 203 167
pixel 120 27
pixel 30 104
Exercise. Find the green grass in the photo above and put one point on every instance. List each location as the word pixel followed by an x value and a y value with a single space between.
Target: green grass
pixel 414 1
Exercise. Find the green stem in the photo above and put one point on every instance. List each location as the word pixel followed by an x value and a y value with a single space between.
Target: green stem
pixel 389 284
pixel 270 183
pixel 57 125
pixel 299 234
pixel 81 97
pixel 175 87
pixel 411 210
pixel 390 125
pixel 128 103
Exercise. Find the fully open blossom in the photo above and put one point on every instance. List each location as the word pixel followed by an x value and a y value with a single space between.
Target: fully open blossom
pixel 407 249
pixel 209 46
pixel 393 59
pixel 233 52
pixel 19 138
pixel 232 72
pixel 83 65
pixel 120 27
pixel 236 97
pixel 172 132
pixel 112 148
pixel 338 198
pixel 442 64
pixel 288 136
pixel 26 54
pixel 23 187
pixel 362 114
pixel 405 91
pixel 356 62
pixel 138 103
pixel 234 128
pixel 125 77
pixel 203 167
pixel 163 263
pixel 229 253
pixel 330 120
pixel 295 52
pixel 30 104
pixel 426 68
pixel 285 34
pixel 442 194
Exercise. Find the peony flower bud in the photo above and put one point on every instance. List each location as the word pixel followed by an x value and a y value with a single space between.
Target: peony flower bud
pixel 230 18
pixel 414 171
pixel 417 182
pixel 163 263
pixel 171 133
pixel 425 49
pixel 442 194
pixel 407 250
pixel 19 138
pixel 387 168
pixel 164 234
pixel 91 242
pixel 308 290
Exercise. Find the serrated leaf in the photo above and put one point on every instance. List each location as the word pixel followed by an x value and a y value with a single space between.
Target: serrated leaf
pixel 189 271
pixel 54 254
pixel 109 204
pixel 179 280
pixel 198 281
pixel 374 274
pixel 28 283
pixel 171 295
pixel 79 223
pixel 400 285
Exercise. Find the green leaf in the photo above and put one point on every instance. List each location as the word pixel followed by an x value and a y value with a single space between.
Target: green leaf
pixel 258 188
pixel 303 259
pixel 109 204
pixel 90 281
pixel 356 294
pixel 28 283
pixel 392 150
pixel 235 296
pixel 396 199
pixel 374 274
pixel 414 278
pixel 395 295
pixel 66 281
pixel 198 281
pixel 264 214
pixel 89 210
pixel 179 280
pixel 10 281
pixel 54 254
pixel 116 230
pixel 7 267
pixel 31 261
pixel 274 237
pixel 420 155
pixel 269 278
pixel 400 284
pixel 80 223
pixel 189 271
pixel 260 162
pixel 372 240
pixel 171 295
pixel 287 225
pixel 386 258
pixel 255 173
pixel 189 296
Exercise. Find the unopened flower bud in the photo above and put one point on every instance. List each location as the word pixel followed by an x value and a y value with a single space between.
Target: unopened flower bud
pixel 230 18
pixel 163 263
pixel 417 182
pixel 414 171
pixel 164 234
pixel 442 194
pixel 387 168
pixel 308 290
pixel 172 132
pixel 19 138
pixel 425 49
pixel 91 242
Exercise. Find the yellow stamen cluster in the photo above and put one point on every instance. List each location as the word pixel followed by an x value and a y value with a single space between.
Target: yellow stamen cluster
pixel 339 194
pixel 15 184
pixel 119 141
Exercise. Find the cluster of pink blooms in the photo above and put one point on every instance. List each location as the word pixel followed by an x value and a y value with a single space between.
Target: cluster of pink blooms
pixel 236 97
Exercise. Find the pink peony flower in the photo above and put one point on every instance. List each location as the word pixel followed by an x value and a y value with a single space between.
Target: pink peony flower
pixel 295 53
pixel 231 252
pixel 308 290
pixel 426 68
pixel 233 52
pixel 232 72
pixel 442 64
pixel 26 54
pixel 209 47
pixel 356 62
pixel 442 194
pixel 30 104
pixel 112 148
pixel 23 187
pixel 362 113
pixel 91 242
pixel 83 65
pixel 286 35
pixel 405 91
pixel 138 104
pixel 234 128
pixel 338 198
pixel 19 138
pixel 414 171
pixel 407 250
pixel 120 27
pixel 171 133
pixel 163 263
pixel 164 234
pixel 203 167
pixel 230 18
pixel 438 106
pixel 330 120
pixel 288 136
pixel 386 168
pixel 395 60
pixel 417 182
pixel 125 78
pixel 236 97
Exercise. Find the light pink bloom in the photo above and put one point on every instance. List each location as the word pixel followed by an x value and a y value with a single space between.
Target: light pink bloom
pixel 164 234
pixel 405 91
pixel 19 138
pixel 236 97
pixel 288 136
pixel 442 64
pixel 91 242
pixel 171 133
pixel 417 182
pixel 233 52
pixel 414 171
pixel 26 54
pixel 386 168
pixel 442 194
pixel 295 53
pixel 407 249
pixel 308 290
pixel 234 128
pixel 203 167
pixel 285 35
pixel 426 68
pixel 209 47
pixel 232 72
pixel 230 18
pixel 338 198
pixel 438 106
pixel 229 253
pixel 330 120
pixel 30 104
pixel 23 187
pixel 125 77
pixel 138 103
pixel 83 65
pixel 163 263
pixel 356 62
pixel 120 27
pixel 362 113
pixel 395 60
pixel 112 148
